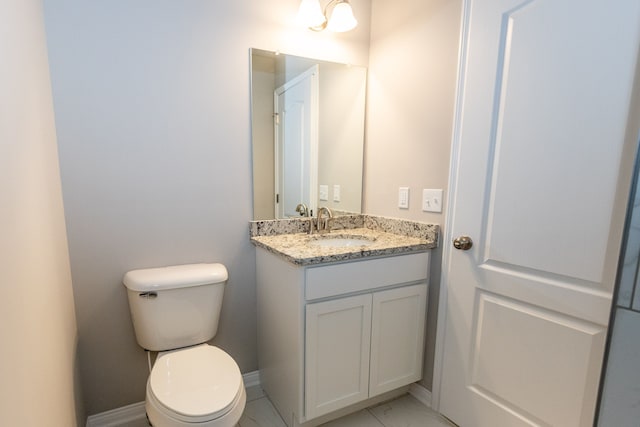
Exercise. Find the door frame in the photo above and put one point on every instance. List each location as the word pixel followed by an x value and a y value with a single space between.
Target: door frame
pixel 447 237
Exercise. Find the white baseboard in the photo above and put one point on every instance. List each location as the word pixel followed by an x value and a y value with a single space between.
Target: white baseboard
pixel 134 412
pixel 251 379
pixel 421 394
pixel 119 416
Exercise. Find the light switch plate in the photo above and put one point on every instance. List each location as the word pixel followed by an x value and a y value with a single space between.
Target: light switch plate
pixel 403 197
pixel 336 192
pixel 324 193
pixel 431 200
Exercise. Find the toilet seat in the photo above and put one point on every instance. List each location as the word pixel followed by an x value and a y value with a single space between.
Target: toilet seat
pixel 196 384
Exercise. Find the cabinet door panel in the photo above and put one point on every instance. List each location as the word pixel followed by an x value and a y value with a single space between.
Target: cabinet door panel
pixel 338 337
pixel 397 337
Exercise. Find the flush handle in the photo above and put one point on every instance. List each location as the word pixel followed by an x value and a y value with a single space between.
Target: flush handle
pixel 148 295
pixel 464 243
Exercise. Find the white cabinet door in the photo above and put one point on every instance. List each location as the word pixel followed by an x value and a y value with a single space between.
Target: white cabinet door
pixel 397 337
pixel 338 336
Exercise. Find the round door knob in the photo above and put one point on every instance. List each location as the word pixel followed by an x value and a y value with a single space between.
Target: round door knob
pixel 463 243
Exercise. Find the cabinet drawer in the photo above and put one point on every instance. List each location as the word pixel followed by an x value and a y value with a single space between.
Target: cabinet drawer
pixel 338 279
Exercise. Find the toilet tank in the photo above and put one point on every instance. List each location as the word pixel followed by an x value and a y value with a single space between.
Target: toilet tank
pixel 177 306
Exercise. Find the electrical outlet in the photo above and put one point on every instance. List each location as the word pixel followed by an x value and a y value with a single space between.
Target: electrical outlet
pixel 431 200
pixel 336 192
pixel 403 197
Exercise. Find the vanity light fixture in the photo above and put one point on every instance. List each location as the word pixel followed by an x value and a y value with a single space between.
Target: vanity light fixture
pixel 313 16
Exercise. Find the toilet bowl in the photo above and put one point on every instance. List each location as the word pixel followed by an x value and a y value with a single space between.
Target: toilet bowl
pixel 196 386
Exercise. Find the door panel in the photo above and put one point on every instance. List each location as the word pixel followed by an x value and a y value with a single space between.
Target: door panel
pixel 545 69
pixel 517 344
pixel 295 159
pixel 541 121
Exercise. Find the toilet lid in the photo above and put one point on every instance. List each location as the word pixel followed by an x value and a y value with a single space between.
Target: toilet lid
pixel 197 381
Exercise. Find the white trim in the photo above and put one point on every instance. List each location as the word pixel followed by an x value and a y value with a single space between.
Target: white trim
pixel 448 229
pixel 127 414
pixel 118 417
pixel 421 394
pixel 251 379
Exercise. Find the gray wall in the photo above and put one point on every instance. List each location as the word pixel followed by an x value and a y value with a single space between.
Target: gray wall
pixel 262 133
pixel 410 102
pixel 152 109
pixel 38 384
pixel 153 117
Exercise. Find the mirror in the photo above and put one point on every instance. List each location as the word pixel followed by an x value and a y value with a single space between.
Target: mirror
pixel 307 123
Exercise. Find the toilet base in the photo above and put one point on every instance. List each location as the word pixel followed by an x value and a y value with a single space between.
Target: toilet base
pixel 158 416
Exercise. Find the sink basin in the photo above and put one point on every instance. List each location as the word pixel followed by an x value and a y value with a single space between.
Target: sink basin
pixel 340 241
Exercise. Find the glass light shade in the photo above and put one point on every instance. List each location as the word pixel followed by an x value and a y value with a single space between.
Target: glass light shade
pixel 310 14
pixel 342 18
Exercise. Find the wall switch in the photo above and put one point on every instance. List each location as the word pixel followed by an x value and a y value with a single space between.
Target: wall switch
pixel 324 193
pixel 431 200
pixel 403 197
pixel 336 192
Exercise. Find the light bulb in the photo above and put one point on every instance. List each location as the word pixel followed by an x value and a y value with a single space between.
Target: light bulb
pixel 342 18
pixel 310 14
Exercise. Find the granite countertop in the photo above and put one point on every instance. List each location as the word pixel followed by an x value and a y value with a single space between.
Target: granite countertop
pixel 384 237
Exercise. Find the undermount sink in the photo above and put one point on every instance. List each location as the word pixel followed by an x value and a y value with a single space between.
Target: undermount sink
pixel 340 241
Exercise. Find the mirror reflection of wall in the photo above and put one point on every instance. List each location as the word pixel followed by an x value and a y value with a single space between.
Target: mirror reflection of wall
pixel 341 104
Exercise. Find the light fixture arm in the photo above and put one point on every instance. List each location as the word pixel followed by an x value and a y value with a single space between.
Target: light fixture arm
pixel 323 26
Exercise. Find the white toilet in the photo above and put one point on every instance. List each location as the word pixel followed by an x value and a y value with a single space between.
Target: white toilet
pixel 175 311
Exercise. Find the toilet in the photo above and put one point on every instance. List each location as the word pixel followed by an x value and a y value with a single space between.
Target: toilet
pixel 175 311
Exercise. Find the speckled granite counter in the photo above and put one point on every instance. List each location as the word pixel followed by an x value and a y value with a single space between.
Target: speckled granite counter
pixel 385 236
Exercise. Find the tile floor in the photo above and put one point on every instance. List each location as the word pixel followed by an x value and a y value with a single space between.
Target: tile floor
pixel 404 411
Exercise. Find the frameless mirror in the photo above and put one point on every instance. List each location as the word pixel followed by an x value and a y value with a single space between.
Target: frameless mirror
pixel 308 135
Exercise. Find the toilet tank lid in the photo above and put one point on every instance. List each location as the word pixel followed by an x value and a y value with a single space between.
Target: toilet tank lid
pixel 176 276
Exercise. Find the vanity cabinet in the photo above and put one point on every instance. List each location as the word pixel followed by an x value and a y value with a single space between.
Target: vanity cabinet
pixel 333 337
pixel 362 346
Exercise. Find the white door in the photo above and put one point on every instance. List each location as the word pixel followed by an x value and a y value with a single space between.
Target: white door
pixel 545 88
pixel 397 337
pixel 296 135
pixel 338 336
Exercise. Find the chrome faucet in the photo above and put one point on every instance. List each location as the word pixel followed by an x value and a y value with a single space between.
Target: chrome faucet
pixel 302 209
pixel 323 225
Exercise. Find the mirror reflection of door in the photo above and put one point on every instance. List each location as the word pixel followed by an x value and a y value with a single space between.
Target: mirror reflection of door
pixel 296 143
